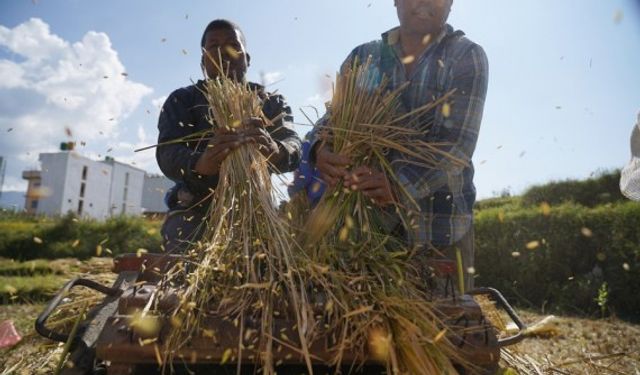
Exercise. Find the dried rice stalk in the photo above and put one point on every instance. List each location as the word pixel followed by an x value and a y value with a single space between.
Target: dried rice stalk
pixel 374 299
pixel 245 266
pixel 366 124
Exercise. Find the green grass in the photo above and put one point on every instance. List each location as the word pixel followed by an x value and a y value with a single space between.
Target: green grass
pixel 34 280
pixel 576 250
pixel 602 188
pixel 10 267
pixel 26 289
pixel 587 234
pixel 23 316
pixel 25 238
pixel 505 203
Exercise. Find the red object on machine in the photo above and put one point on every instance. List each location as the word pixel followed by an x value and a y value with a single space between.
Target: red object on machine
pixel 9 336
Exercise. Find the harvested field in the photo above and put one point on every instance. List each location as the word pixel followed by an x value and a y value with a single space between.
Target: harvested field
pixel 570 345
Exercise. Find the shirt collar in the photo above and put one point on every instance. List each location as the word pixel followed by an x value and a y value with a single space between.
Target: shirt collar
pixel 392 37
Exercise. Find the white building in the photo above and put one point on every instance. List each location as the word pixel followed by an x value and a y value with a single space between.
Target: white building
pixel 70 182
pixel 125 194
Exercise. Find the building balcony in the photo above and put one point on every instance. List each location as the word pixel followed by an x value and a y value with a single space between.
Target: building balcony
pixel 31 175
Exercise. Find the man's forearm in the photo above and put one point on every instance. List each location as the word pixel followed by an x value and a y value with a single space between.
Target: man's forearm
pixel 289 154
pixel 178 163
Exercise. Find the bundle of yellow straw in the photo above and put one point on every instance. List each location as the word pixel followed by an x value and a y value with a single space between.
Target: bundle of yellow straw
pixel 245 264
pixel 376 302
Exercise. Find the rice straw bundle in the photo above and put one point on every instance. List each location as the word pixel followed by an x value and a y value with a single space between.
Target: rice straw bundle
pixel 244 267
pixel 375 301
pixel 366 124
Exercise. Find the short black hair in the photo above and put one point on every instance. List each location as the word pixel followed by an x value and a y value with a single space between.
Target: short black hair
pixel 222 24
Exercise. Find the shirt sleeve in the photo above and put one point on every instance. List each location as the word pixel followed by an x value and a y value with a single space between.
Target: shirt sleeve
pixel 176 160
pixel 282 132
pixel 457 132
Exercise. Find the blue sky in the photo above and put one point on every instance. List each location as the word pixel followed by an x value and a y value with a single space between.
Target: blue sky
pixel 564 86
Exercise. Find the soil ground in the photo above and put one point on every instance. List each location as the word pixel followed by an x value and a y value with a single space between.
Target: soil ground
pixel 569 346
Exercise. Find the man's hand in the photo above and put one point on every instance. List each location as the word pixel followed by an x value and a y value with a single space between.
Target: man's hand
pixel 373 184
pixel 219 147
pixel 260 136
pixel 332 167
pixel 225 141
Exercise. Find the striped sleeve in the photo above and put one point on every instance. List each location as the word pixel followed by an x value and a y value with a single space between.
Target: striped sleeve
pixel 457 132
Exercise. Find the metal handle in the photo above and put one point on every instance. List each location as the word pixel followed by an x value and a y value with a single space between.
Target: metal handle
pixel 55 302
pixel 502 302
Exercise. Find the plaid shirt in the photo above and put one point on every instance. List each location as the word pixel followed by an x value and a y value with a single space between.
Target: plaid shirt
pixel 445 193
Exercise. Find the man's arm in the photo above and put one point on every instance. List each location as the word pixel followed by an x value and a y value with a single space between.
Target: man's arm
pixel 288 141
pixel 177 161
pixel 458 131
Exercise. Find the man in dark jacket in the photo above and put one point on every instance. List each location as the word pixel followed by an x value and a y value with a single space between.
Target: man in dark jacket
pixel 194 165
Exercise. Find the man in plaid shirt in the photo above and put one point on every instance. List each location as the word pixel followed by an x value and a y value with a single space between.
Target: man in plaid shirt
pixel 434 59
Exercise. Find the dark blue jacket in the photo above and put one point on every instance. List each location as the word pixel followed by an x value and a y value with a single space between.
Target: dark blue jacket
pixel 184 113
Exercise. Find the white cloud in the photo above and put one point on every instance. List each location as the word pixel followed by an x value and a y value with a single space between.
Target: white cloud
pixel 142 135
pixel 319 98
pixel 13 185
pixel 317 103
pixel 158 102
pixel 269 78
pixel 323 93
pixel 12 74
pixel 53 85
pixel 32 39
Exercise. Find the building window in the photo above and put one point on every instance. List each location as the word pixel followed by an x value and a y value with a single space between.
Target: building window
pixel 80 206
pixel 82 188
pixel 34 204
pixel 85 170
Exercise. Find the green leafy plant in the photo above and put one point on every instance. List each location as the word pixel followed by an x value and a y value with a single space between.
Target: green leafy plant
pixel 603 298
